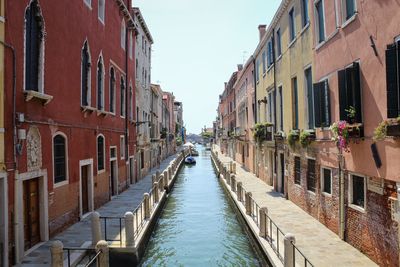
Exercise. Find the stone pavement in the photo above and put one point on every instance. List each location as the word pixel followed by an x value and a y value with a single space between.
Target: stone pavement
pixel 319 244
pixel 80 234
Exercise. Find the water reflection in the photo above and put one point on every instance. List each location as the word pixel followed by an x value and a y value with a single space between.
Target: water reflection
pixel 197 226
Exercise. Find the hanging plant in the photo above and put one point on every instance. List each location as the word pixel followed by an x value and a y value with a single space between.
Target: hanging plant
pixel 380 132
pixel 306 138
pixel 292 137
pixel 387 128
pixel 340 134
pixel 262 132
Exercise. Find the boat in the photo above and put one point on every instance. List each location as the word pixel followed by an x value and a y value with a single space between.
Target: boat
pixel 194 152
pixel 190 160
pixel 208 146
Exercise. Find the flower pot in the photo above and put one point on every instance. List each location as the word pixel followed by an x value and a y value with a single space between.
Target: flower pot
pixel 356 131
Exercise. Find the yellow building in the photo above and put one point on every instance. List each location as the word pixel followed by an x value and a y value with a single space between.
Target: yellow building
pixel 283 85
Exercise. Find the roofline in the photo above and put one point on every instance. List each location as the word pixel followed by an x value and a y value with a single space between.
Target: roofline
pixel 138 13
pixel 127 15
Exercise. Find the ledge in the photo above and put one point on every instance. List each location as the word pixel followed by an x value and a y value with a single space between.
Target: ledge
pixel 87 109
pixel 349 21
pixel 30 94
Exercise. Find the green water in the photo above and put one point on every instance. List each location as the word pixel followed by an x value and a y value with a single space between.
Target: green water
pixel 198 227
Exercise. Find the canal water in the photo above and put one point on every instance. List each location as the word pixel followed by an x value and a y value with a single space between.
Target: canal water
pixel 198 226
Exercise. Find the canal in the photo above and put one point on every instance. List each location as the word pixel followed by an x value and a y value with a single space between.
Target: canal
pixel 198 226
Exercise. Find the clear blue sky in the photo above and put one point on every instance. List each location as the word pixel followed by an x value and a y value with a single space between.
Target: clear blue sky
pixel 197 45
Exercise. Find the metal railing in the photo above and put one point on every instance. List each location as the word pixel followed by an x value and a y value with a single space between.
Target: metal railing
pixel 138 215
pixel 108 220
pixel 89 259
pixel 304 260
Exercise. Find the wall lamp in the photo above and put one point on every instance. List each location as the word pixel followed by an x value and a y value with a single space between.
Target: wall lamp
pixel 264 100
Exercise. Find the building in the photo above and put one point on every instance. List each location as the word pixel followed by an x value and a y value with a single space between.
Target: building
pixel 179 126
pixel 144 41
pixel 169 121
pixel 72 115
pixel 245 112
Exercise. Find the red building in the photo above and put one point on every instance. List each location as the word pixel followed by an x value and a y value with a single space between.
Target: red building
pixel 73 120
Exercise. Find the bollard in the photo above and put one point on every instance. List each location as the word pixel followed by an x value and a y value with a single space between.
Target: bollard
pixel 157 175
pixel 234 168
pixel 249 203
pixel 153 178
pixel 161 182
pixel 169 173
pixel 96 227
pixel 146 200
pixel 288 241
pixel 57 254
pixel 233 183
pixel 129 231
pixel 228 178
pixel 263 222
pixel 231 166
pixel 155 192
pixel 239 191
pixel 166 179
pixel 103 259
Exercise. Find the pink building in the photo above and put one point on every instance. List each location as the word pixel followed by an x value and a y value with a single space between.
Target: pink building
pixel 356 73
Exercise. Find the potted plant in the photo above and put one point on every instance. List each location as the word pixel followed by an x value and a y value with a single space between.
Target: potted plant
pixel 340 135
pixel 262 132
pixel 306 137
pixel 387 128
pixel 292 137
pixel 355 130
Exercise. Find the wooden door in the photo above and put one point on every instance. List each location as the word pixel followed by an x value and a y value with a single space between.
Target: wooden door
pixel 282 174
pixel 31 212
pixel 84 187
pixel 112 178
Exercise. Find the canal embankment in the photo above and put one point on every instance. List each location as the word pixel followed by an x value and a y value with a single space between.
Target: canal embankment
pixel 289 236
pixel 137 207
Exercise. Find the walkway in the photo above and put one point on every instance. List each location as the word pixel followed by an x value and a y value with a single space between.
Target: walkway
pixel 320 245
pixel 79 234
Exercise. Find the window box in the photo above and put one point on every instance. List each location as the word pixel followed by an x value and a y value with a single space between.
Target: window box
pixel 355 130
pixel 102 113
pixel 393 130
pixel 279 135
pixel 43 98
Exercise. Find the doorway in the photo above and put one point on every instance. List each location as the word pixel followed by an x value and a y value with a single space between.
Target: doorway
pixel 132 170
pixel 3 220
pixel 113 172
pixel 282 173
pixel 84 188
pixel 31 212
pixel 86 199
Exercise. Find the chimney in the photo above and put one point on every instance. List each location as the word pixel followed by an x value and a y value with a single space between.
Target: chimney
pixel 261 30
pixel 240 67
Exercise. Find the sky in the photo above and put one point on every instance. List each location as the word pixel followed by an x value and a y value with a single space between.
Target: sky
pixel 197 46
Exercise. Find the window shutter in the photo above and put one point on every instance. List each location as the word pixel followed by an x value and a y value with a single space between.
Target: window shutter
pixel 342 94
pixel 325 104
pixel 317 104
pixel 357 91
pixel 392 82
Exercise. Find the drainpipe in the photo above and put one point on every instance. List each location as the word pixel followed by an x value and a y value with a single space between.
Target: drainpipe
pixel 276 145
pixel 341 198
pixel 127 89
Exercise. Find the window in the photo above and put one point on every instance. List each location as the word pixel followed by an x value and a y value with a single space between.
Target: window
pixel 123 34
pixel 292 25
pixel 257 70
pixel 350 93
pixel 137 69
pixel 322 114
pixel 357 190
pixel 280 108
pixel 122 108
pixel 295 104
pixel 392 80
pixel 100 153
pixel 88 2
pixel 130 45
pixel 297 170
pixel 122 147
pixel 263 62
pixel 85 76
pixel 348 9
pixel 310 100
pixel 113 153
pixel 320 21
pixel 112 90
pixel 130 104
pixel 101 10
pixel 59 158
pixel 311 181
pixel 100 84
pixel 142 159
pixel 326 180
pixel 304 13
pixel 34 48
pixel 279 42
pixel 270 59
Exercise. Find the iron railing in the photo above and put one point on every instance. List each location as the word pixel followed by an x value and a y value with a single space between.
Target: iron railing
pixel 88 260
pixel 304 261
pixel 108 220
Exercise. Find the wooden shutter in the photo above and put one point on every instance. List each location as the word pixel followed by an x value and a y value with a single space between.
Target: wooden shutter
pixel 342 95
pixel 317 104
pixel 325 104
pixel 392 82
pixel 357 101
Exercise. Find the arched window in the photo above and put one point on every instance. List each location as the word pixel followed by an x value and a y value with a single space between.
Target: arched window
pixel 130 104
pixel 34 48
pixel 101 10
pixel 123 34
pixel 59 158
pixel 85 75
pixel 122 97
pixel 100 84
pixel 100 153
pixel 112 90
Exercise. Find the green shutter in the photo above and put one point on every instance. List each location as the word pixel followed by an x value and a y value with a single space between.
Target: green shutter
pixel 342 95
pixel 317 104
pixel 392 83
